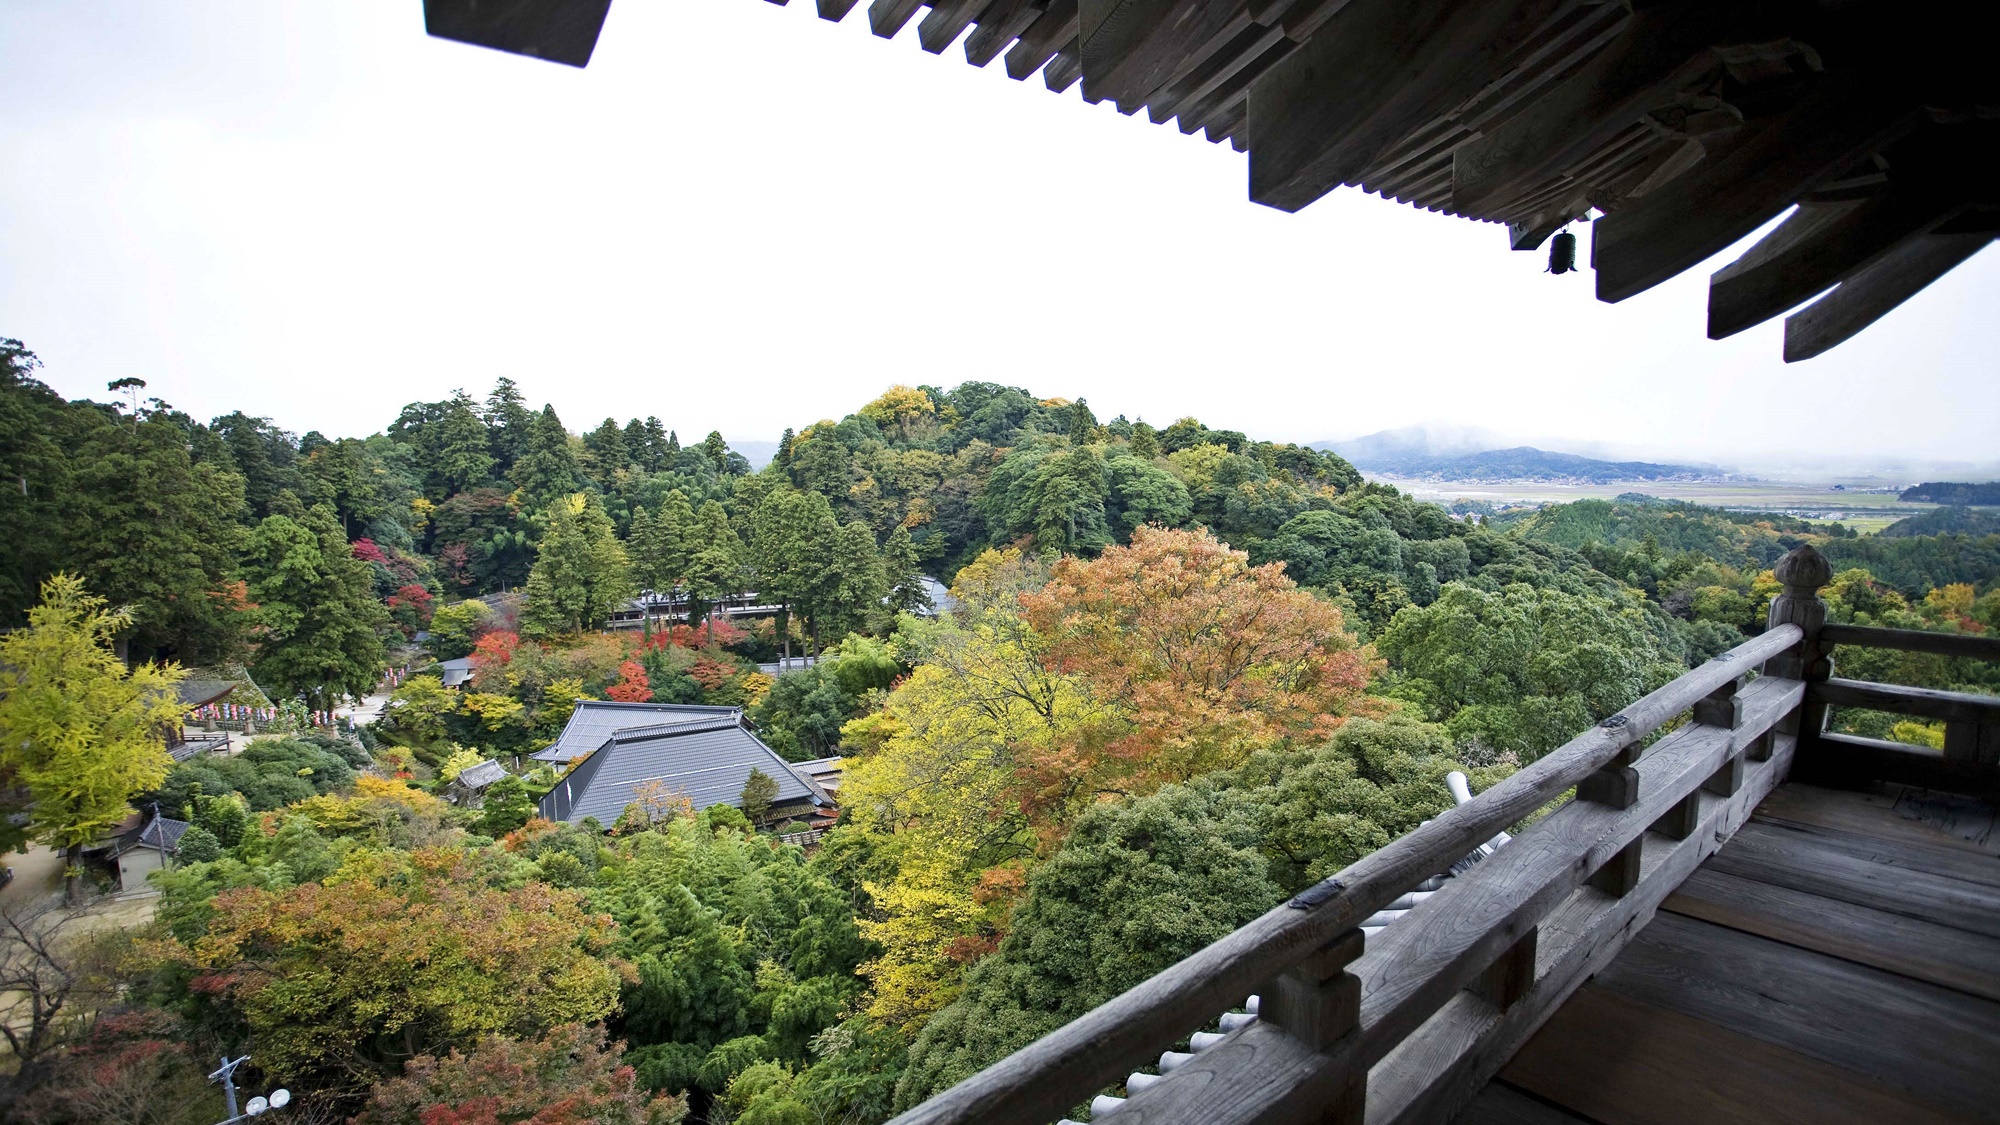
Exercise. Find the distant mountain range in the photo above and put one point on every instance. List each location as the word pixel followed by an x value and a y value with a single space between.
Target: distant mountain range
pixel 1415 453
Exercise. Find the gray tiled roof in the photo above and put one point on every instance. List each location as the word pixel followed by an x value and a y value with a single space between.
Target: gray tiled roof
pixel 194 693
pixel 455 672
pixel 709 762
pixel 481 775
pixel 162 833
pixel 595 720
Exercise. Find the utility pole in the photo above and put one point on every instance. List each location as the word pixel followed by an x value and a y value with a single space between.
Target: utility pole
pixel 226 1075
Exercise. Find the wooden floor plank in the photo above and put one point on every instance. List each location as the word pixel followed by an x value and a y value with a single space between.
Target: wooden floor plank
pixel 1918 1041
pixel 1501 1104
pixel 1917 816
pixel 1941 955
pixel 1622 1062
pixel 1932 859
pixel 1808 861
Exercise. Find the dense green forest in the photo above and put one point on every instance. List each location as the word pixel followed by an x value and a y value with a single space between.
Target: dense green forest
pixel 1185 674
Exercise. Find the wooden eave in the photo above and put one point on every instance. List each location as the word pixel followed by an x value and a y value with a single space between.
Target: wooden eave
pixel 1684 125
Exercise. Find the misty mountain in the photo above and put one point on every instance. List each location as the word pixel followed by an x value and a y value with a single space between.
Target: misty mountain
pixel 1420 453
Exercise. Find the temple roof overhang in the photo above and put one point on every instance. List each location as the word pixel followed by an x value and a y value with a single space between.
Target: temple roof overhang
pixel 1676 128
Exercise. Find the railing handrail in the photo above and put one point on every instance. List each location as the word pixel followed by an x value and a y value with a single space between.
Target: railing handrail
pixel 1966 645
pixel 1041 1081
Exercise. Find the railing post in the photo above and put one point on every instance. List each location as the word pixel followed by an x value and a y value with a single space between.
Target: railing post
pixel 1802 573
pixel 1616 784
pixel 1318 1001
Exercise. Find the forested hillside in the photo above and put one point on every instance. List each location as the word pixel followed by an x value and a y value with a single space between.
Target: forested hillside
pixel 1183 674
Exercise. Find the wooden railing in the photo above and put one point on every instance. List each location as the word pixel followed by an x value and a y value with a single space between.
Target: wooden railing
pixel 1408 1027
pixel 1970 759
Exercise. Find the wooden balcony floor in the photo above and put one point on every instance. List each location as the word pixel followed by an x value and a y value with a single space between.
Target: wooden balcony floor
pixel 1837 961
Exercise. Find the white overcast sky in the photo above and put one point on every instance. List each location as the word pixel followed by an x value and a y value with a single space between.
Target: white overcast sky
pixel 740 217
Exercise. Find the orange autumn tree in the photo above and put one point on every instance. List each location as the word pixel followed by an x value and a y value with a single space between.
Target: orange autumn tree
pixel 631 686
pixel 1204 657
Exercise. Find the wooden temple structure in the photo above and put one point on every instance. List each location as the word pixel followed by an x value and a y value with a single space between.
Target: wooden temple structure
pixel 1732 914
pixel 1676 127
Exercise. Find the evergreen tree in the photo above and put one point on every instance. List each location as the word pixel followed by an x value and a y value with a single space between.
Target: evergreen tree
pixel 77 730
pixel 759 791
pixel 322 627
pixel 547 471
pixel 659 457
pixel 673 446
pixel 1145 441
pixel 778 548
pixel 508 420
pixel 148 528
pixel 581 572
pixel 902 574
pixel 856 578
pixel 716 556
pixel 784 457
pixel 461 457
pixel 658 544
pixel 715 449
pixel 605 447
pixel 638 449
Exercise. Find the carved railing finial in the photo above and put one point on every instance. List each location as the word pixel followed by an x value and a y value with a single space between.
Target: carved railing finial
pixel 1803 571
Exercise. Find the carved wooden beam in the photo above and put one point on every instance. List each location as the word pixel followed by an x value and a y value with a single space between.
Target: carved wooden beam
pixel 999 25
pixel 1821 245
pixel 1726 196
pixel 1376 71
pixel 1874 292
pixel 1043 38
pixel 563 31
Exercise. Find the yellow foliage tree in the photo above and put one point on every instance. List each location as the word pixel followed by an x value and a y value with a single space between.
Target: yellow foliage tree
pixel 78 730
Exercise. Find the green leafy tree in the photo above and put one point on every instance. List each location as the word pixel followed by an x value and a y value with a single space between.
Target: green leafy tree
pixel 581 574
pixel 1143 883
pixel 508 806
pixel 78 730
pixel 322 628
pixel 1525 669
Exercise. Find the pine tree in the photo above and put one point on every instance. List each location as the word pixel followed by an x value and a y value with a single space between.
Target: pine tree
pixel 322 626
pixel 784 457
pixel 77 730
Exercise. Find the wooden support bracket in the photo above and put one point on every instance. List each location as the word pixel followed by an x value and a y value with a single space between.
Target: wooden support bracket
pixel 1317 1001
pixel 1507 979
pixel 1616 784
pixel 1728 779
pixel 1678 823
pixel 1620 873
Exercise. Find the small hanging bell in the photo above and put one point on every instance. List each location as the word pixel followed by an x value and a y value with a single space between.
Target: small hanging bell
pixel 1562 253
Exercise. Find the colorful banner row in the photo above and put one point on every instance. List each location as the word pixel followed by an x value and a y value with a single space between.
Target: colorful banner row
pixel 238 712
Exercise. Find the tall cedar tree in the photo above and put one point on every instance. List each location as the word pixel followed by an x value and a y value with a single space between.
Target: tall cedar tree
pixel 322 628
pixel 581 574
pixel 508 421
pixel 78 730
pixel 715 565
pixel 548 470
